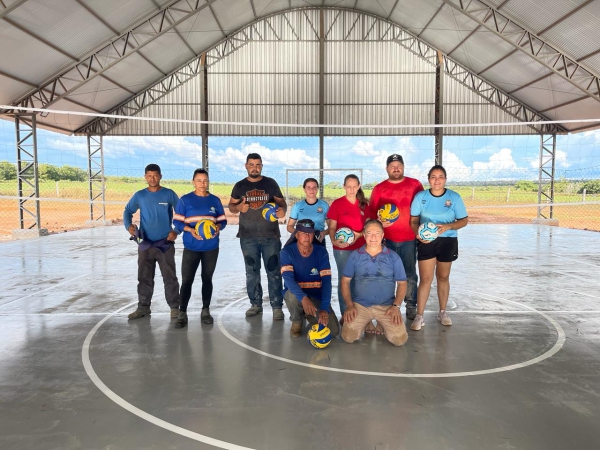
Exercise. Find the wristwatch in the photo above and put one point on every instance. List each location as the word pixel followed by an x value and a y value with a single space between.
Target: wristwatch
pixel 397 306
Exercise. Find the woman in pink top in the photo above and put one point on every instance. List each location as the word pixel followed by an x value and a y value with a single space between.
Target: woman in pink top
pixel 347 211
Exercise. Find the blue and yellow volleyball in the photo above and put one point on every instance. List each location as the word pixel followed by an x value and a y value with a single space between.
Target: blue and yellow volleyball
pixel 427 231
pixel 319 336
pixel 388 213
pixel 206 229
pixel 269 212
pixel 345 234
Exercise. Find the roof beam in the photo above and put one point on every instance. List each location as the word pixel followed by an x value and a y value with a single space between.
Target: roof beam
pixel 431 20
pixel 127 44
pixel 392 10
pixel 523 40
pixel 7 9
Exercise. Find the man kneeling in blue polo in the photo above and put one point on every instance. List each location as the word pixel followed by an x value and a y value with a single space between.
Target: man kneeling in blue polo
pixel 306 274
pixel 379 289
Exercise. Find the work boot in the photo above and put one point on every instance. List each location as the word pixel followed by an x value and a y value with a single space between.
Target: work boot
pixel 138 314
pixel 174 313
pixel 278 314
pixel 182 319
pixel 205 316
pixel 254 310
pixel 296 330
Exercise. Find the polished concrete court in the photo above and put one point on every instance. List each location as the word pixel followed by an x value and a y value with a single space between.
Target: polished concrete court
pixel 519 369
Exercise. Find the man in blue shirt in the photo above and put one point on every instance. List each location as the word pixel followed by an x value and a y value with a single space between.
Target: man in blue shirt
pixel 156 204
pixel 306 274
pixel 379 289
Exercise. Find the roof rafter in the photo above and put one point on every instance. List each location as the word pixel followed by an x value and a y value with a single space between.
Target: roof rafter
pixel 117 50
pixel 6 10
pixel 524 40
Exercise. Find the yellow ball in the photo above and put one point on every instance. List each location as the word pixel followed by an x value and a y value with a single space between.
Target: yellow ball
pixel 319 336
pixel 269 212
pixel 388 213
pixel 206 229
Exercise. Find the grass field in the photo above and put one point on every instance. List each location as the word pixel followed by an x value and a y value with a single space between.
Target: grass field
pixel 62 213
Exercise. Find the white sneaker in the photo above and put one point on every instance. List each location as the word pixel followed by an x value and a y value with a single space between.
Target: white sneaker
pixel 417 323
pixel 444 318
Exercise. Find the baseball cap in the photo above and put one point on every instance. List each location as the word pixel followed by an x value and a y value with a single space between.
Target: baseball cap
pixel 394 157
pixel 306 226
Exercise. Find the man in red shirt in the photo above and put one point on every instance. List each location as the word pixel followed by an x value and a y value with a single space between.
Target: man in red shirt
pixel 399 237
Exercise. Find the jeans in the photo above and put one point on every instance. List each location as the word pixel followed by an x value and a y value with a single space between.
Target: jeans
pixel 268 248
pixel 189 265
pixel 341 258
pixel 407 251
pixel 297 312
pixel 147 268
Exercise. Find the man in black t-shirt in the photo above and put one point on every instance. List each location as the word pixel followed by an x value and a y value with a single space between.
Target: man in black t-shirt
pixel 258 237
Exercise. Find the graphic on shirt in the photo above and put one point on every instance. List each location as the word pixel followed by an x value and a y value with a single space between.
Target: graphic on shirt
pixel 448 203
pixel 257 198
pixel 314 271
pixel 320 210
pixel 213 210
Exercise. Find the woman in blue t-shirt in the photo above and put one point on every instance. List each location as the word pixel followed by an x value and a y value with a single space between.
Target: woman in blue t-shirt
pixel 311 208
pixel 191 208
pixel 447 211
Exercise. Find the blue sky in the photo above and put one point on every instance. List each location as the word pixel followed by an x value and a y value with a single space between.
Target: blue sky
pixel 467 158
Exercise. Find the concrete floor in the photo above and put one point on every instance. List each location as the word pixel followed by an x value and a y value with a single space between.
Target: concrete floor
pixel 519 369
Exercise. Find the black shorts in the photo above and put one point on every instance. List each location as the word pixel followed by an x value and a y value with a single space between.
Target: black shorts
pixel 445 249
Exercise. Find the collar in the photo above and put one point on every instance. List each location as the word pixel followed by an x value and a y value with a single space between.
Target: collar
pixel 363 250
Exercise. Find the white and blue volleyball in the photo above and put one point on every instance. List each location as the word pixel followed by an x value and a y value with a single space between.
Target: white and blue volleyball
pixel 427 231
pixel 269 212
pixel 344 234
pixel 319 336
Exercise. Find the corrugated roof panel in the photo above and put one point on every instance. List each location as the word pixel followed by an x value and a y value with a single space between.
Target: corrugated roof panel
pixel 65 24
pixel 378 115
pixel 134 73
pixel 548 92
pixel 66 121
pixel 21 53
pixel 481 50
pixel 577 35
pixel 585 109
pixel 518 69
pixel 535 15
pixel 100 94
pixel 381 8
pixel 11 89
pixel 123 14
pixel 481 113
pixel 200 31
pixel 448 29
pixel 168 51
pixel 338 3
pixel 233 14
pixel 413 16
pixel 265 7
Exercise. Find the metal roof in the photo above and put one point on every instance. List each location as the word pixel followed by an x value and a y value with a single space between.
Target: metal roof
pixel 95 55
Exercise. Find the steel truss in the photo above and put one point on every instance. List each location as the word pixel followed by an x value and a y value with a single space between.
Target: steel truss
pixel 97 186
pixel 438 132
pixel 546 176
pixel 365 27
pixel 524 40
pixel 27 171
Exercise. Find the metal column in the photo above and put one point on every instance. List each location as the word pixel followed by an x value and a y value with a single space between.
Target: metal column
pixel 97 185
pixel 438 132
pixel 204 109
pixel 27 171
pixel 321 101
pixel 546 176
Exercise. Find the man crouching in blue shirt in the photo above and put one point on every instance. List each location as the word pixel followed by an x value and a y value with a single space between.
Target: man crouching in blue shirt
pixel 156 204
pixel 379 289
pixel 306 274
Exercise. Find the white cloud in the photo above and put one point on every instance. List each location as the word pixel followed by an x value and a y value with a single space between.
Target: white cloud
pixel 560 159
pixel 499 161
pixel 364 149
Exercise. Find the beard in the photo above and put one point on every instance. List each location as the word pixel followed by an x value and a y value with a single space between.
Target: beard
pixel 396 176
pixel 254 175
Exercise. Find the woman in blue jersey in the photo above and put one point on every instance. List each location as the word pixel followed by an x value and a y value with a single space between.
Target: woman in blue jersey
pixel 311 208
pixel 446 209
pixel 190 209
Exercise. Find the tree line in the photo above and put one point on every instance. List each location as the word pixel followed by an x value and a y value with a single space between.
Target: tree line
pixel 46 172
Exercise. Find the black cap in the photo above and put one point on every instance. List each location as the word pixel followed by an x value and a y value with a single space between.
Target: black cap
pixel 306 226
pixel 394 157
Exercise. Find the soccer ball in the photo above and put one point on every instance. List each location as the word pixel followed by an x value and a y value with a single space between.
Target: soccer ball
pixel 206 229
pixel 345 234
pixel 319 336
pixel 388 213
pixel 427 231
pixel 269 212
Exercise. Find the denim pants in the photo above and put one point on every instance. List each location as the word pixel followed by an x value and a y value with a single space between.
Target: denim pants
pixel 267 248
pixel 147 260
pixel 341 257
pixel 297 312
pixel 407 251
pixel 189 265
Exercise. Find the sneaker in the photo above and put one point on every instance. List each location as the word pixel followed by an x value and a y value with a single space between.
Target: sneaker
pixel 254 310
pixel 205 316
pixel 138 314
pixel 411 313
pixel 182 320
pixel 277 314
pixel 444 318
pixel 296 330
pixel 174 313
pixel 417 323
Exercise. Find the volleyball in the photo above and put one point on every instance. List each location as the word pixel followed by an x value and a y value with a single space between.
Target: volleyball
pixel 269 212
pixel 427 231
pixel 206 229
pixel 345 234
pixel 388 213
pixel 319 336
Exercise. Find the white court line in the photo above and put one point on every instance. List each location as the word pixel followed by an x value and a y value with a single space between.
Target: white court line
pixel 555 348
pixel 44 290
pixel 578 261
pixel 85 356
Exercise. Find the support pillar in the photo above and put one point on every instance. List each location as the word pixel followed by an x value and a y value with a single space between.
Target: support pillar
pixel 27 172
pixel 204 109
pixel 321 101
pixel 438 132
pixel 97 184
pixel 547 169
